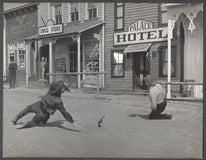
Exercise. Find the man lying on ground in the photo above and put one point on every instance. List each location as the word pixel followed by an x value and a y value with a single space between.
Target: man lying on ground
pixel 45 107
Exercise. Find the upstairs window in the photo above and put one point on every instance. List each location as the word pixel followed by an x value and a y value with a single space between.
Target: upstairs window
pixel 92 10
pixel 11 53
pixel 119 16
pixel 21 58
pixel 163 14
pixel 74 12
pixel 58 13
pixel 117 64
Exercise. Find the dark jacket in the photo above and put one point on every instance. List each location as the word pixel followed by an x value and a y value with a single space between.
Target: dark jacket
pixel 52 101
pixel 12 69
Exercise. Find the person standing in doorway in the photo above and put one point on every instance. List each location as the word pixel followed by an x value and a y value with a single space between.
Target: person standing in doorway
pixel 12 74
pixel 157 96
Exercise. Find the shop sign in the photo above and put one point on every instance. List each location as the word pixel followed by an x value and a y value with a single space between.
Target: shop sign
pixel 140 25
pixel 142 36
pixel 51 29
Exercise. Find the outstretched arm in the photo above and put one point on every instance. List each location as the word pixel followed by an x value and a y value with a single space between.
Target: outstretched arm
pixel 66 115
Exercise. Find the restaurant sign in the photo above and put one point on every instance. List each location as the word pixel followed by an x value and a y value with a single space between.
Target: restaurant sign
pixel 51 29
pixel 140 36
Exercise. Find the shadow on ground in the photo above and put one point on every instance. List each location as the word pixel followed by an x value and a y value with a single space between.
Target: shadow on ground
pixel 59 124
pixel 146 117
pixel 140 115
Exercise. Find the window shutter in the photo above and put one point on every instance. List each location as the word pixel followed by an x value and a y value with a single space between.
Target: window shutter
pixel 51 11
pixel 65 15
pixel 86 11
pixel 69 14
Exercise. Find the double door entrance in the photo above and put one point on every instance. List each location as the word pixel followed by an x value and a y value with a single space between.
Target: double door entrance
pixel 140 69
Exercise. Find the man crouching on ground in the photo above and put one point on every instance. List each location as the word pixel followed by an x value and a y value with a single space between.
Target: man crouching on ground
pixel 157 98
pixel 45 107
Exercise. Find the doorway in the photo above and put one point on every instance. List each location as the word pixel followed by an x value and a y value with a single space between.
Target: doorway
pixel 44 54
pixel 140 70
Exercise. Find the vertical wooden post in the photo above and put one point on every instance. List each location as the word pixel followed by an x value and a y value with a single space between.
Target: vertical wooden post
pixel 50 62
pixel 97 83
pixel 4 49
pixel 78 61
pixel 35 55
pixel 171 24
pixel 27 63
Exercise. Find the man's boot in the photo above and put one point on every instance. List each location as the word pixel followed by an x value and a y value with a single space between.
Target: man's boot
pixel 20 115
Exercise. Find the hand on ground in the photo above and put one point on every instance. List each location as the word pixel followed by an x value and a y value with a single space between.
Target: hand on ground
pixel 76 125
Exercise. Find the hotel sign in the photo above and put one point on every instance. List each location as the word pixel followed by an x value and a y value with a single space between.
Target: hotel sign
pixel 141 36
pixel 51 29
pixel 140 25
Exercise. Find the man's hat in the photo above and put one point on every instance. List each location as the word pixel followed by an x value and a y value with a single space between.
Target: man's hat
pixel 56 86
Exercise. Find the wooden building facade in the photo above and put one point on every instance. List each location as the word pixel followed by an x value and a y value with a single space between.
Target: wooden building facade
pixel 137 45
pixel 19 23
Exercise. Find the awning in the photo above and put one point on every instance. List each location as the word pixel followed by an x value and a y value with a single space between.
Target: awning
pixel 137 48
pixel 77 27
pixel 69 29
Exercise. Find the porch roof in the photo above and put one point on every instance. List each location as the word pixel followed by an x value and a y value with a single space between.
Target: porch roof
pixel 138 48
pixel 31 37
pixel 70 28
pixel 77 27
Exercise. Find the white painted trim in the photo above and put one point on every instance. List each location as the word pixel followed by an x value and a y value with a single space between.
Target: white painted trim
pixel 97 10
pixel 103 12
pixel 169 59
pixel 103 43
pixel 48 11
pixel 69 13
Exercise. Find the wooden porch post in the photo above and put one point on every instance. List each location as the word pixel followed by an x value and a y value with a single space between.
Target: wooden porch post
pixel 27 62
pixel 50 62
pixel 78 60
pixel 171 24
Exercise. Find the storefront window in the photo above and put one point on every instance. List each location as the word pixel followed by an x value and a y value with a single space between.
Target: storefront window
pixel 58 13
pixel 117 64
pixel 92 10
pixel 21 61
pixel 119 16
pixel 74 12
pixel 163 57
pixel 92 56
pixel 163 14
